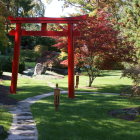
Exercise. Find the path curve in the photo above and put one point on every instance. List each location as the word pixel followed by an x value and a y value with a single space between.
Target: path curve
pixel 23 126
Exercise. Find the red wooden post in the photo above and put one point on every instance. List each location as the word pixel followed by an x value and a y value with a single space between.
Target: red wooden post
pixel 56 97
pixel 44 27
pixel 15 63
pixel 70 61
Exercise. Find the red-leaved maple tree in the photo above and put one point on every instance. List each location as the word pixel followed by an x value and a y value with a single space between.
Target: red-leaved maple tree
pixel 99 46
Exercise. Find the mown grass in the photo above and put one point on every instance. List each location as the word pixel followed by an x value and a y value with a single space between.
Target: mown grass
pixel 84 118
pixel 108 81
pixel 5 121
pixel 28 87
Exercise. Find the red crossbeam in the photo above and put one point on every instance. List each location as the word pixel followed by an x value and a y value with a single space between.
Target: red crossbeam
pixel 44 33
pixel 47 19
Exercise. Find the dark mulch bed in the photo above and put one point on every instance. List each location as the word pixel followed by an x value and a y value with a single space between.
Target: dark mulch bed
pixel 5 77
pixel 4 91
pixel 4 98
pixel 130 114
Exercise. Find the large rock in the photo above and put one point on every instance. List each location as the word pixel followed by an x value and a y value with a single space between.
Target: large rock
pixel 39 68
pixel 1 129
pixel 29 72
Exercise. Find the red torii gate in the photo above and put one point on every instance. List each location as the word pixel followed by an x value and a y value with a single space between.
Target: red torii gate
pixel 19 32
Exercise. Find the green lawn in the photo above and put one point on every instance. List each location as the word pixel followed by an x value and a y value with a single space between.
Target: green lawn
pixel 85 118
pixel 109 81
pixel 28 87
pixel 5 120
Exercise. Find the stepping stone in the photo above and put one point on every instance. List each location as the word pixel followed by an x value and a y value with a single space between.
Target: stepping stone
pixel 24 117
pixel 25 114
pixel 24 128
pixel 27 134
pixel 26 122
pixel 21 138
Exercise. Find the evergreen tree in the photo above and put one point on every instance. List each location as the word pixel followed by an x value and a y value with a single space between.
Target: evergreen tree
pixel 25 8
pixel 91 5
pixel 130 21
pixel 3 37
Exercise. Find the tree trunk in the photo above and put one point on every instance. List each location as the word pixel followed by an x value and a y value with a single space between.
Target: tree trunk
pixel 90 81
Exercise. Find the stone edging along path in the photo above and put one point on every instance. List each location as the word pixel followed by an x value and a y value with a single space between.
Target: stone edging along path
pixel 23 126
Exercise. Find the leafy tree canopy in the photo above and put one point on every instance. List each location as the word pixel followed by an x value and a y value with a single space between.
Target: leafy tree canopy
pixel 3 37
pixel 25 8
pixel 99 46
pixel 130 21
pixel 91 5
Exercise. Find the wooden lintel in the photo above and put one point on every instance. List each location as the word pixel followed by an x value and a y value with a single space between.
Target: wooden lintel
pixel 47 19
pixel 44 27
pixel 44 33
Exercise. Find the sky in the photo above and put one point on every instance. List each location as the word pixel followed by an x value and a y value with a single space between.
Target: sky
pixel 54 9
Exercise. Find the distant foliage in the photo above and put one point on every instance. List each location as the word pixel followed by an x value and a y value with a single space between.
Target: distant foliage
pixel 32 41
pixel 3 37
pixel 6 64
pixel 39 49
pixel 29 55
pixel 90 5
pixel 134 74
pixel 130 21
pixel 24 8
pixel 1 72
pixel 63 56
pixel 49 59
pixel 44 44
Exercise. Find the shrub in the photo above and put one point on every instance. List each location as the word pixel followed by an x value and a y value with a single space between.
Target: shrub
pixel 134 74
pixel 29 55
pixel 21 66
pixel 7 65
pixel 40 49
pixel 63 56
pixel 1 72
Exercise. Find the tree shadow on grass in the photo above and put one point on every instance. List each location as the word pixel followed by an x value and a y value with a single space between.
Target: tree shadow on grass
pixel 110 73
pixel 107 88
pixel 3 136
pixel 24 92
pixel 84 118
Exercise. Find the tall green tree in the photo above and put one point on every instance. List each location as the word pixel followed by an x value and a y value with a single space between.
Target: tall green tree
pixel 90 5
pixel 25 8
pixel 3 37
pixel 130 21
pixel 38 9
